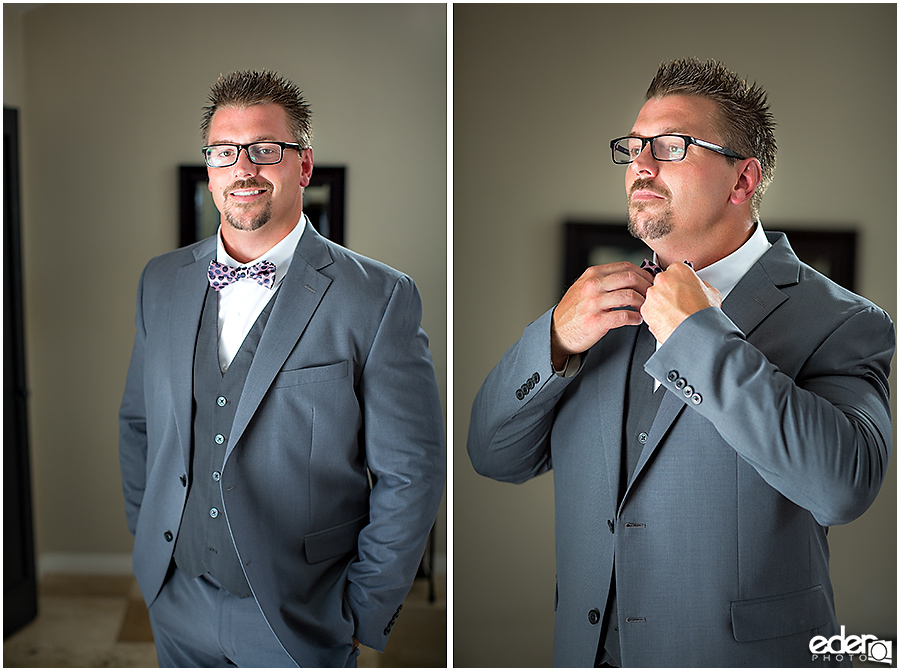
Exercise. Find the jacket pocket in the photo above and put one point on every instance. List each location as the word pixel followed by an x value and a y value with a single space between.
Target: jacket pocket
pixel 780 615
pixel 333 371
pixel 334 542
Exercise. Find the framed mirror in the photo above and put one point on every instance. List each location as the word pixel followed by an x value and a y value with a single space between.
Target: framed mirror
pixel 323 203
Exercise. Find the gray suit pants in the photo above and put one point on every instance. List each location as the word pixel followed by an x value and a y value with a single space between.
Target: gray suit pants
pixel 196 623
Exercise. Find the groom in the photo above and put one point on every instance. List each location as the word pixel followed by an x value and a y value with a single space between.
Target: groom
pixel 281 435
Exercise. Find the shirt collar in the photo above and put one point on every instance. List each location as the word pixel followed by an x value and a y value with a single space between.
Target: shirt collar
pixel 725 273
pixel 281 254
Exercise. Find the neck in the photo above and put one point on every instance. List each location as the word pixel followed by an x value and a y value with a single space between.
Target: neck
pixel 703 249
pixel 245 246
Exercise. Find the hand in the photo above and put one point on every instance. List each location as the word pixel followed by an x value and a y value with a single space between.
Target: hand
pixel 588 311
pixel 676 294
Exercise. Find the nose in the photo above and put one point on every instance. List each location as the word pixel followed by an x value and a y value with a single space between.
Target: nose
pixel 645 165
pixel 244 167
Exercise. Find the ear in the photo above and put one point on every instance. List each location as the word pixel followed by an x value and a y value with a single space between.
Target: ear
pixel 747 182
pixel 306 166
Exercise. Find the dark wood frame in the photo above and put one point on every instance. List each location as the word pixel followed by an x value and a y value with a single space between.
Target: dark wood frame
pixel 19 572
pixel 831 252
pixel 332 178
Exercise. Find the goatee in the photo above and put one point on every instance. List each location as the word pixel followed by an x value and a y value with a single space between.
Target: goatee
pixel 256 222
pixel 651 226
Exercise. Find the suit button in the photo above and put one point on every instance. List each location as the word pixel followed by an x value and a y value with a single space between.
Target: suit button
pixel 680 383
pixel 612 527
pixel 216 476
pixel 168 536
pixel 672 376
pixel 220 439
pixel 520 395
pixel 688 391
pixel 696 399
pixel 214 512
pixel 221 401
pixel 642 438
pixel 594 616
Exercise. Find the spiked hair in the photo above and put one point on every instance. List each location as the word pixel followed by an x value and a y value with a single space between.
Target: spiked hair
pixel 249 87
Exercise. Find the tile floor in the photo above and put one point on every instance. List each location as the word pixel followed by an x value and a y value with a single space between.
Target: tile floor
pixel 101 621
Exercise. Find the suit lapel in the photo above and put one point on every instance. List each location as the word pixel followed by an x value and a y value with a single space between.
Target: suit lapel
pixel 749 303
pixel 184 322
pixel 300 294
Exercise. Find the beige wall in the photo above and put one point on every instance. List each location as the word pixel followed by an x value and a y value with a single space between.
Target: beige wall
pixel 111 98
pixel 538 93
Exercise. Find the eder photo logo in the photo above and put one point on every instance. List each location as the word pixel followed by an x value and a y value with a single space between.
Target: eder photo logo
pixel 862 648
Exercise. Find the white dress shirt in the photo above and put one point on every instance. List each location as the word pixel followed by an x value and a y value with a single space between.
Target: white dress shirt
pixel 241 302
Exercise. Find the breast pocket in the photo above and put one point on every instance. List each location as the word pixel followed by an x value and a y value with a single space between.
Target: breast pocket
pixel 292 378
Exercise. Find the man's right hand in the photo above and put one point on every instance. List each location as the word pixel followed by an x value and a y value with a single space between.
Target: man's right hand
pixel 588 311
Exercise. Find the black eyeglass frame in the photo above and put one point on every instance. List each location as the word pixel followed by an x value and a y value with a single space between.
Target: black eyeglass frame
pixel 688 141
pixel 246 147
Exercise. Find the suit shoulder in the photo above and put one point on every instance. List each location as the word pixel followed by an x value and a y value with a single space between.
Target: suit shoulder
pixel 365 273
pixel 169 261
pixel 829 297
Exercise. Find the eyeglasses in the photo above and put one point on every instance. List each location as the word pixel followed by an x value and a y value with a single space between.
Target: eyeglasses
pixel 663 147
pixel 260 153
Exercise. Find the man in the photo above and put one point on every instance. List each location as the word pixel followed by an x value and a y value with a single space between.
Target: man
pixel 706 424
pixel 281 437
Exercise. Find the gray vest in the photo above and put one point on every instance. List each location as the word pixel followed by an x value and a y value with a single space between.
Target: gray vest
pixel 641 406
pixel 204 543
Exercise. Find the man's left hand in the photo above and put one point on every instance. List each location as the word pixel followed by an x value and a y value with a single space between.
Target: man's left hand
pixel 676 294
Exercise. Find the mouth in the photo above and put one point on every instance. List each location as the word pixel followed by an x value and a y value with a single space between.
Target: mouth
pixel 645 195
pixel 246 195
pixel 643 191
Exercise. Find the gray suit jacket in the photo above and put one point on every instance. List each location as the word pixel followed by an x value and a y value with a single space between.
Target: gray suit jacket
pixel 341 389
pixel 775 424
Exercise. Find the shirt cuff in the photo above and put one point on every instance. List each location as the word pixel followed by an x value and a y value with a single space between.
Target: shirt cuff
pixel 571 367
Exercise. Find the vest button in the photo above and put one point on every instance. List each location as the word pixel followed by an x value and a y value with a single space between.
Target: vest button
pixel 213 512
pixel 220 438
pixel 221 401
pixel 642 438
pixel 594 616
pixel 168 536
pixel 612 527
pixel 217 476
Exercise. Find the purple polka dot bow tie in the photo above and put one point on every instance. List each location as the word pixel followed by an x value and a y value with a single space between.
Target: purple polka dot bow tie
pixel 654 269
pixel 221 275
